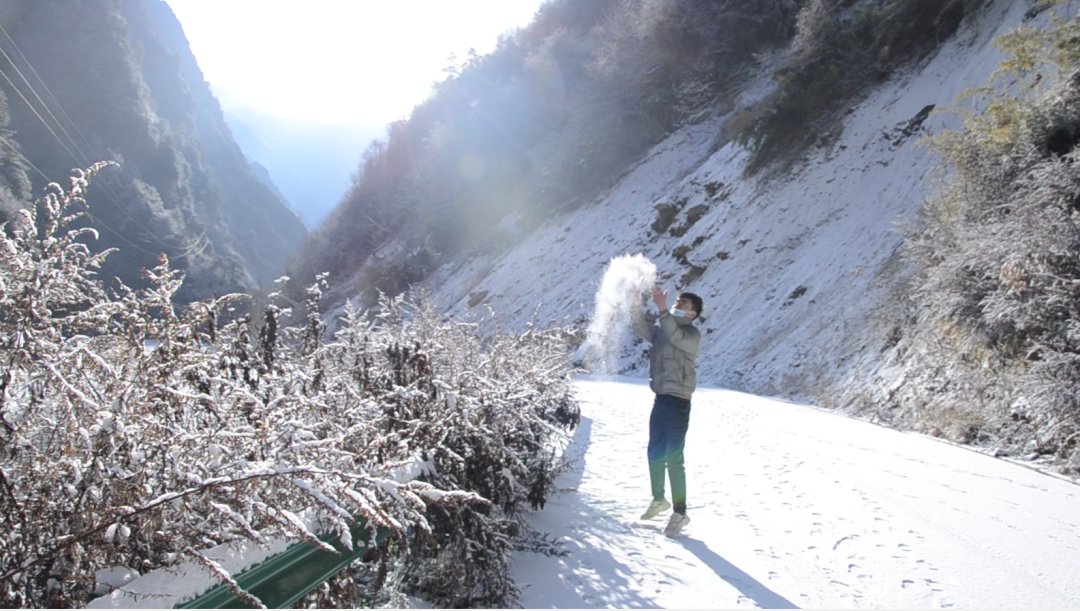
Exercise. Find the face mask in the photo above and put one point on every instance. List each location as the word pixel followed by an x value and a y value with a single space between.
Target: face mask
pixel 677 313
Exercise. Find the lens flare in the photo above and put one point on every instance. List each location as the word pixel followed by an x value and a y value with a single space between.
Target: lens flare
pixel 471 167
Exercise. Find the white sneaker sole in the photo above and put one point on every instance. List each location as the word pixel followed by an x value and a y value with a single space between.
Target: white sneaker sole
pixel 676 531
pixel 650 513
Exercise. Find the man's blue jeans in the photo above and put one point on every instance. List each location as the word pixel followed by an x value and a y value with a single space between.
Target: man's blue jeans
pixel 668 423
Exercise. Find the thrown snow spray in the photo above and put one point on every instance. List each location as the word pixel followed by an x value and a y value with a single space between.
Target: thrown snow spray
pixel 627 280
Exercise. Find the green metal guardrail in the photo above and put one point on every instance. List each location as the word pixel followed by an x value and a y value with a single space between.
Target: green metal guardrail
pixel 283 579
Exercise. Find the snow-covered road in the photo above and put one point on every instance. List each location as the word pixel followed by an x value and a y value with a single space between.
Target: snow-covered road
pixel 793 506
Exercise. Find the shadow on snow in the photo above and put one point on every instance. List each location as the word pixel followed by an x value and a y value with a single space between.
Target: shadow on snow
pixel 747 585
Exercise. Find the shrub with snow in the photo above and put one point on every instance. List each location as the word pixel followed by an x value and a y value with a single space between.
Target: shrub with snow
pixel 133 434
pixel 991 345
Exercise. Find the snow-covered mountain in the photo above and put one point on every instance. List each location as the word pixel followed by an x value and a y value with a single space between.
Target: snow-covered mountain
pixel 795 264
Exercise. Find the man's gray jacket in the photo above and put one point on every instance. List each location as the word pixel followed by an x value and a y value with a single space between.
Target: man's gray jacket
pixel 672 369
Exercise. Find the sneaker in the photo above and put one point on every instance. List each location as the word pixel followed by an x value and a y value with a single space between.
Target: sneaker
pixel 655 508
pixel 675 525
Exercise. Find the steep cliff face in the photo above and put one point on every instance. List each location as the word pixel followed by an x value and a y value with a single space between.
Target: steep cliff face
pixel 114 80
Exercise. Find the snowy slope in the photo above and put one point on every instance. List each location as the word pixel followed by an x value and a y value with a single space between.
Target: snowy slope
pixel 793 506
pixel 796 265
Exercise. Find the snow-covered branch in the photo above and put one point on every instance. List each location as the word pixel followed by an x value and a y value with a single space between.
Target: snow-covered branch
pixel 135 431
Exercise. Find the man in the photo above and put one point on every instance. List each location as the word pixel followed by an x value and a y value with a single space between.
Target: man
pixel 673 377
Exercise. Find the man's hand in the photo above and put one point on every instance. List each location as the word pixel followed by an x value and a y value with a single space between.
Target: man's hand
pixel 659 297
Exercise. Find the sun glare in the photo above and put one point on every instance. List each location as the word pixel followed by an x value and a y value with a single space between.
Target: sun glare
pixel 339 60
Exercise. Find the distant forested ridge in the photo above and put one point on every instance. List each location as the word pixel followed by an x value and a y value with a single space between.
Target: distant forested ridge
pixel 93 80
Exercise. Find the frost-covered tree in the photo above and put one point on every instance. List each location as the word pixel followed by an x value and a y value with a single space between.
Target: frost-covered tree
pixel 135 433
pixel 992 344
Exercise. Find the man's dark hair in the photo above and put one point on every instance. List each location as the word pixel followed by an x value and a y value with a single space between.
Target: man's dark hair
pixel 695 302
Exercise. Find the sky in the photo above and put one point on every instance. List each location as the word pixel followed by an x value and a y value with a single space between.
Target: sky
pixel 339 61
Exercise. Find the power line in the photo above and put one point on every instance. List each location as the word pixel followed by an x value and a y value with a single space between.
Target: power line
pixel 85 161
pixel 199 243
pixel 15 150
pixel 36 113
pixel 30 67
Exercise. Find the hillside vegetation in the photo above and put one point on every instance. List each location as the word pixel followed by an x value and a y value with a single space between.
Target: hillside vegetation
pixel 987 335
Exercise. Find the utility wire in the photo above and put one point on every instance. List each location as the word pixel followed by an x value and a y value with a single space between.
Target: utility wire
pixel 199 243
pixel 15 48
pixel 15 150
pixel 85 160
